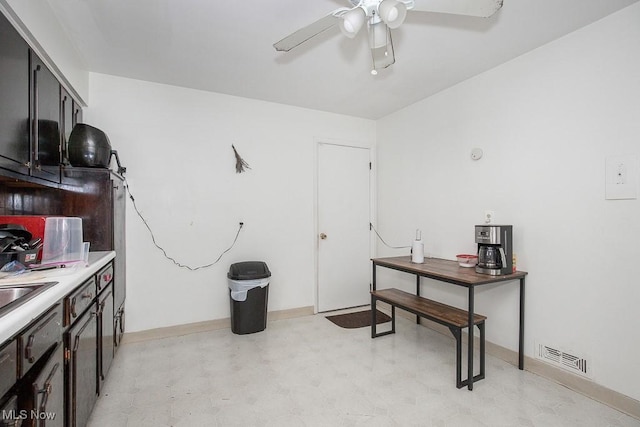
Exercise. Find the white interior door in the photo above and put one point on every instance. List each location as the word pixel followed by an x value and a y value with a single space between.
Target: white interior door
pixel 343 226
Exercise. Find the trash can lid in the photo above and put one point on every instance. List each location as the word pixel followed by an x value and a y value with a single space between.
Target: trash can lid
pixel 248 270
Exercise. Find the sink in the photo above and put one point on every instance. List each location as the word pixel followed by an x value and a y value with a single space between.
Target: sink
pixel 13 296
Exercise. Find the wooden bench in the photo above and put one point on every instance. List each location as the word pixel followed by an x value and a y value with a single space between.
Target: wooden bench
pixel 454 318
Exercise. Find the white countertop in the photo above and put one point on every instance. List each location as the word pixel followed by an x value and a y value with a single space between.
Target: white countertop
pixel 68 279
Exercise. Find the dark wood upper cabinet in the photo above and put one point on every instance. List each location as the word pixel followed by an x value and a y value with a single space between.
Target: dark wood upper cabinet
pixel 37 114
pixel 70 114
pixel 46 134
pixel 77 113
pixel 14 100
pixel 66 122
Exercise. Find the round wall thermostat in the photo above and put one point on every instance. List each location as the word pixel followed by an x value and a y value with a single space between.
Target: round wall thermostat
pixel 476 154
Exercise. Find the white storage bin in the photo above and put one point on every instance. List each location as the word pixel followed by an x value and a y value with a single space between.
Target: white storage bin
pixel 62 239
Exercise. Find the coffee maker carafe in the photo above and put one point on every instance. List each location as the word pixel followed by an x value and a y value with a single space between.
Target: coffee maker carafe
pixel 495 251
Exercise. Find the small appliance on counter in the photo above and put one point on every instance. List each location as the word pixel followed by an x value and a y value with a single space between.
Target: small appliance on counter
pixel 417 249
pixel 495 249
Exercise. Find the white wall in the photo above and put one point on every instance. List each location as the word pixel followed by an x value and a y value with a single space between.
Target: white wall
pixel 176 144
pixel 546 122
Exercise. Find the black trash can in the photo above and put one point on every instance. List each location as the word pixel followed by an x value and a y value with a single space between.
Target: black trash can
pixel 248 295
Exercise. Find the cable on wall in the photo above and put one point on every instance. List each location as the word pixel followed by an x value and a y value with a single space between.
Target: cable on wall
pixel 164 252
pixel 385 243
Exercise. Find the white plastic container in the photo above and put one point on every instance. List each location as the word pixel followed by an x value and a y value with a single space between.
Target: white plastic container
pixel 417 249
pixel 62 240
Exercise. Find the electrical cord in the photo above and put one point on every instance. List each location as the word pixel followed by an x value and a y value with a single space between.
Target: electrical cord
pixel 382 240
pixel 153 238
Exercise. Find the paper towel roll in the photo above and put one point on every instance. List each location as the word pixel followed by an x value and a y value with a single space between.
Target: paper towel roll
pixel 417 252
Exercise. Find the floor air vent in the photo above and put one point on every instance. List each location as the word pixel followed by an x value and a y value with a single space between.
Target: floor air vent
pixel 564 360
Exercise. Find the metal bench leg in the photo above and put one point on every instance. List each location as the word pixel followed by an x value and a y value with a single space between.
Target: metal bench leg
pixel 458 336
pixel 374 333
pixel 482 349
pixel 373 316
pixel 457 333
pixel 393 319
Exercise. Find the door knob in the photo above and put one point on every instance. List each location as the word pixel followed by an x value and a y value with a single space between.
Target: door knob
pixel 323 236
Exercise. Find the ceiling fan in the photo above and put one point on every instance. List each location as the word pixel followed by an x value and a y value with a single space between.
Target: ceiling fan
pixel 381 16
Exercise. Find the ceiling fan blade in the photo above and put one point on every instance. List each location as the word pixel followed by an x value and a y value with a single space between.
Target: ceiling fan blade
pixel 480 8
pixel 305 33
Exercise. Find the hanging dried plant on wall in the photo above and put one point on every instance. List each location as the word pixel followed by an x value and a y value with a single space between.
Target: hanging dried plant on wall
pixel 240 163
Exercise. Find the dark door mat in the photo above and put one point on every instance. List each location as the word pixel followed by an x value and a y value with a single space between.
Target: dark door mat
pixel 359 319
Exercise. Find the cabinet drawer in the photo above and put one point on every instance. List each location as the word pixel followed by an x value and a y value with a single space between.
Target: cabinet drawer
pixel 105 277
pixel 8 366
pixel 40 337
pixel 76 303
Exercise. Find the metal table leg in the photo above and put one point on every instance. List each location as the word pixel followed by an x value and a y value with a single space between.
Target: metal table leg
pixel 418 294
pixel 521 336
pixel 470 341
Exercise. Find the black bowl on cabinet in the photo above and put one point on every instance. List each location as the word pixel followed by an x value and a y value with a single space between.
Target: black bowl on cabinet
pixel 89 147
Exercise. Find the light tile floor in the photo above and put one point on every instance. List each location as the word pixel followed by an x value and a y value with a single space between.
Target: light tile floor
pixel 308 372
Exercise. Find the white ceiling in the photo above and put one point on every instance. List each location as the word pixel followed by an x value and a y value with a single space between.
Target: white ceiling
pixel 227 47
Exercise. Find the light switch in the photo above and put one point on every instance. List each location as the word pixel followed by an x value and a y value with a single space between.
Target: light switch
pixel 621 177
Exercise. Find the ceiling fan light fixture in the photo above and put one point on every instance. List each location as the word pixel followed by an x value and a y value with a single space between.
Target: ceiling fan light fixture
pixel 381 44
pixel 352 21
pixel 392 12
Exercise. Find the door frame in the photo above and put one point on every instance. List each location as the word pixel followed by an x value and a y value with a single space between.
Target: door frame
pixel 372 204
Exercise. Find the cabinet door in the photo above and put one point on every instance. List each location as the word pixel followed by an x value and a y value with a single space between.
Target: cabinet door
pixel 45 122
pixel 8 366
pixel 118 326
pixel 77 113
pixel 48 394
pixel 66 121
pixel 10 412
pixel 119 242
pixel 82 369
pixel 105 334
pixel 14 99
pixel 70 114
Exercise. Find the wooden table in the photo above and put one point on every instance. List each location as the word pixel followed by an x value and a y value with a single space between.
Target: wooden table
pixel 450 272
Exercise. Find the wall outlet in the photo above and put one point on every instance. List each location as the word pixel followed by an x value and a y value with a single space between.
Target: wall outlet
pixel 489 217
pixel 621 177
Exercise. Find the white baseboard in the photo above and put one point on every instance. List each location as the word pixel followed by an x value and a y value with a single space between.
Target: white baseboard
pixel 209 325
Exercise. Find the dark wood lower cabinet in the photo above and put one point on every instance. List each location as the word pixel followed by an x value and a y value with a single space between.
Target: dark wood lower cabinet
pixel 53 370
pixel 10 412
pixel 118 322
pixel 43 392
pixel 48 392
pixel 91 337
pixel 105 334
pixel 81 388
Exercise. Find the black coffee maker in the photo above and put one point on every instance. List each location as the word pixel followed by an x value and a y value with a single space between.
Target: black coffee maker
pixel 495 249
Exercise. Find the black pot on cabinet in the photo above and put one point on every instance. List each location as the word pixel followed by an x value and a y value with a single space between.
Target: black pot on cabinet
pixel 89 147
